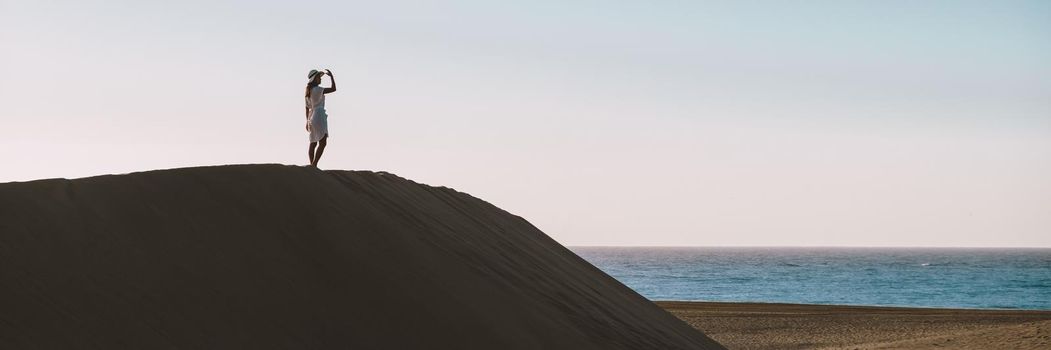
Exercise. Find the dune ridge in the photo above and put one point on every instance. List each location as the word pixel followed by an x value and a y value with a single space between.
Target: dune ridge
pixel 273 256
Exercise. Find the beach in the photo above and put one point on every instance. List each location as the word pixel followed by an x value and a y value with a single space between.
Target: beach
pixel 267 255
pixel 798 326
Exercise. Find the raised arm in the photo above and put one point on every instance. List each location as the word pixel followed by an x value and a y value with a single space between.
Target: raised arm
pixel 333 79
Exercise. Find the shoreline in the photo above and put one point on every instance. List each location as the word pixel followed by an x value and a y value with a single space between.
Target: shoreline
pixel 860 306
pixel 816 326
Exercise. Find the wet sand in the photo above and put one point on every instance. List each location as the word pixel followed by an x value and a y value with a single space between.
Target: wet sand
pixel 793 326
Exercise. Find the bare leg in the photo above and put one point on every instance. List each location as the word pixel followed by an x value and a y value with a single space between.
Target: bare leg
pixel 320 149
pixel 310 152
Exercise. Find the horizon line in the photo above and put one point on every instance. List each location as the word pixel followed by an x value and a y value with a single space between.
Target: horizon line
pixel 799 246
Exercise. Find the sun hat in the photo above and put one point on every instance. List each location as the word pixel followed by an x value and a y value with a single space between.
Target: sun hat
pixel 310 76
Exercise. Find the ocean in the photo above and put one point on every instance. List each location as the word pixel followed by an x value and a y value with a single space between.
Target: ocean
pixel 916 277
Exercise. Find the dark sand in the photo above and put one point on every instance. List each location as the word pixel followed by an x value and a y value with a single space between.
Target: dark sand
pixel 271 256
pixel 793 326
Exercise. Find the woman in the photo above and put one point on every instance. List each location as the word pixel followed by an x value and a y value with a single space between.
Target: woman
pixel 317 119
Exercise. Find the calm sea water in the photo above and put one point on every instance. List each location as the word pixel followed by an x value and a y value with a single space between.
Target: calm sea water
pixel 921 277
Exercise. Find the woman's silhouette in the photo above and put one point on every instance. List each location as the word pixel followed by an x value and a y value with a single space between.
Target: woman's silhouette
pixel 317 119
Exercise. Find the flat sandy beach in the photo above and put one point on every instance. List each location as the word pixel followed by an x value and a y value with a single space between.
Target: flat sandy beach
pixel 793 326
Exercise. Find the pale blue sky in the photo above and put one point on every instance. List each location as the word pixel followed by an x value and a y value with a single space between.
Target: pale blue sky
pixel 885 123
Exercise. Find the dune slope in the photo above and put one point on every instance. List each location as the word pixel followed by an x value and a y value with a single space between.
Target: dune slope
pixel 272 256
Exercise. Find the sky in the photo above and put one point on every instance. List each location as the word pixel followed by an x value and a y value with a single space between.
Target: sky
pixel 668 123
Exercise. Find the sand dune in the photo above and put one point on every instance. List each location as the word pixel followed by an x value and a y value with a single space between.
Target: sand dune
pixel 271 256
pixel 794 326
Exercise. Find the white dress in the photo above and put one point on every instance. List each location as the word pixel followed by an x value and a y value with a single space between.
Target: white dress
pixel 317 123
